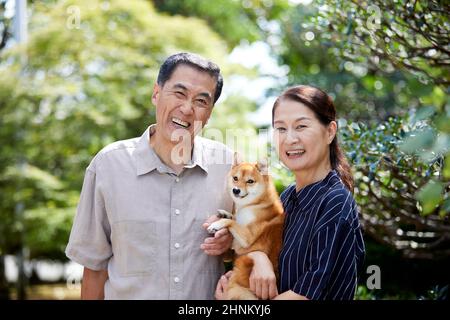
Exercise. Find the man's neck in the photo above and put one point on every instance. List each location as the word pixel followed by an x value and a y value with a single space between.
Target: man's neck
pixel 175 155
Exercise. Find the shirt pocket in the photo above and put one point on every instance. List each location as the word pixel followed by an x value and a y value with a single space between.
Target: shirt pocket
pixel 204 263
pixel 134 247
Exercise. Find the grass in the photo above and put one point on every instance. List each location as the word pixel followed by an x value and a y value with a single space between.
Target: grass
pixel 59 291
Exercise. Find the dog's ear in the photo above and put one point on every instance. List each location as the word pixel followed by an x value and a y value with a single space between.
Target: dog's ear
pixel 263 166
pixel 237 160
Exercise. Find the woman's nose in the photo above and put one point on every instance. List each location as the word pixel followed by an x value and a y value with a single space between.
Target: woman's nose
pixel 291 137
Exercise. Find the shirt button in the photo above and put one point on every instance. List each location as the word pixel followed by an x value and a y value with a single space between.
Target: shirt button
pixel 176 245
pixel 176 279
pixel 177 212
pixel 177 180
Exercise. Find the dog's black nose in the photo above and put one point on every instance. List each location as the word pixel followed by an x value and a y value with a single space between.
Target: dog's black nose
pixel 236 191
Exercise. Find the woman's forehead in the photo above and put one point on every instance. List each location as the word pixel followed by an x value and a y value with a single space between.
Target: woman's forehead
pixel 292 110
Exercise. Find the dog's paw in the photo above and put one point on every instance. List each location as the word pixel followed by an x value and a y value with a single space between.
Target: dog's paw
pixel 216 226
pixel 224 214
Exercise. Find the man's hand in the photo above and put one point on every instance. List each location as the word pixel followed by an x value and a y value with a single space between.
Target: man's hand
pixel 222 285
pixel 263 281
pixel 220 243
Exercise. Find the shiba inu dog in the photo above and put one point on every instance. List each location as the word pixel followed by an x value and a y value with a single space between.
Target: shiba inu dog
pixel 256 225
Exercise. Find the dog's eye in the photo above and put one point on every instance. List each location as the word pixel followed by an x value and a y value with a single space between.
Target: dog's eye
pixel 250 181
pixel 235 178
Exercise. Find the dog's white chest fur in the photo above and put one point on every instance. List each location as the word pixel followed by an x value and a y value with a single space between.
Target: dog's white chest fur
pixel 245 216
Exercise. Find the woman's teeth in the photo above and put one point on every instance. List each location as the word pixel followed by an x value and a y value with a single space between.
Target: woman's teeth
pixel 295 153
pixel 182 123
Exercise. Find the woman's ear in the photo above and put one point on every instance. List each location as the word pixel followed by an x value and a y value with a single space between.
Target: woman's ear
pixel 332 129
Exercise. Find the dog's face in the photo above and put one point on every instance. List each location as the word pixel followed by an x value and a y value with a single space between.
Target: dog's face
pixel 246 182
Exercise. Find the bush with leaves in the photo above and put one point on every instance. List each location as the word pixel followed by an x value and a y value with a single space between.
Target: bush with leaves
pixel 404 200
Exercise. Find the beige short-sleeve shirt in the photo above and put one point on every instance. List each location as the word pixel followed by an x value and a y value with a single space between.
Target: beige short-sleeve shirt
pixel 143 223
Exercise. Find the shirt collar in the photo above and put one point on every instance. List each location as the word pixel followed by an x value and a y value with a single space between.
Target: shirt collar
pixel 308 195
pixel 147 160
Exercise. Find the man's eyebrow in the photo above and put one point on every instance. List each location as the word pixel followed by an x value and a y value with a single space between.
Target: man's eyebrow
pixel 278 121
pixel 184 88
pixel 179 86
pixel 205 94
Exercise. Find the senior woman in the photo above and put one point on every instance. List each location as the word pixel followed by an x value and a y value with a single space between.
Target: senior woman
pixel 323 247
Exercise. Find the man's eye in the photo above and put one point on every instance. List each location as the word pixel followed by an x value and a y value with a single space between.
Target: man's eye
pixel 235 178
pixel 202 102
pixel 301 126
pixel 281 129
pixel 180 94
pixel 250 181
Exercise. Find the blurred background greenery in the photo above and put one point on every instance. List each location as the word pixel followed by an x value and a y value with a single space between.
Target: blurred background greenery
pixel 85 76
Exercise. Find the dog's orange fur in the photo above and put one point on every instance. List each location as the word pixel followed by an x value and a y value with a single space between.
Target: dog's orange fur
pixel 262 233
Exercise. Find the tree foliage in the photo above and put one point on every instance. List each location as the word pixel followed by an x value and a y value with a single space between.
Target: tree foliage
pixel 87 81
pixel 236 21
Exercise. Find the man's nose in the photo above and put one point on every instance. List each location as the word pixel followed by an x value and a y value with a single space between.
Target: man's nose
pixel 187 108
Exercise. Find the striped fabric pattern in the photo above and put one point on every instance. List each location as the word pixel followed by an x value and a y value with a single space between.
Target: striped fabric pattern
pixel 323 248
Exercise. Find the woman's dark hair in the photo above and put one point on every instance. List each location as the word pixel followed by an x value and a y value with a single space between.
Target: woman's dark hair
pixel 323 107
pixel 195 61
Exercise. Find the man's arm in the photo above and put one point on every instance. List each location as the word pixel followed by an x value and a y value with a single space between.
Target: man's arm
pixel 93 285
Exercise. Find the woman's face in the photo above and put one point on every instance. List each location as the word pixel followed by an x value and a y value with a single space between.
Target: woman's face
pixel 302 141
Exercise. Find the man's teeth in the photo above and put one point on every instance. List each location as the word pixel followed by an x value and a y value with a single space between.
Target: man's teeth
pixel 295 152
pixel 181 122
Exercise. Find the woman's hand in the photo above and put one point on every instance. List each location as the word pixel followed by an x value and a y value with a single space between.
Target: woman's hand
pixel 222 285
pixel 263 281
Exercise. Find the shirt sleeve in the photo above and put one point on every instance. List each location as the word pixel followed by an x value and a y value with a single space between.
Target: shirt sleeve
pixel 329 250
pixel 89 242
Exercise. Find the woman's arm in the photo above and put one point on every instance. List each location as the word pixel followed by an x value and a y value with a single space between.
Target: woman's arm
pixel 290 295
pixel 263 281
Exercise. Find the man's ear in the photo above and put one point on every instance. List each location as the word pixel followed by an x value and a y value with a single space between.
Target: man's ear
pixel 263 166
pixel 332 129
pixel 237 160
pixel 155 94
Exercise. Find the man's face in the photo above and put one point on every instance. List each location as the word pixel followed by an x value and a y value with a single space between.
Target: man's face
pixel 184 104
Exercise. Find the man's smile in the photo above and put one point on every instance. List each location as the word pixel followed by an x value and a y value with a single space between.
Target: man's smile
pixel 181 123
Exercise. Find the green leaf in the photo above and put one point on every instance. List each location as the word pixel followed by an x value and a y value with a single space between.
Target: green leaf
pixel 430 196
pixel 418 141
pixel 445 208
pixel 423 113
pixel 447 166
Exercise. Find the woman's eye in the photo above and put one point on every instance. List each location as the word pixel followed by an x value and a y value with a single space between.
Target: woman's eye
pixel 235 178
pixel 250 181
pixel 301 126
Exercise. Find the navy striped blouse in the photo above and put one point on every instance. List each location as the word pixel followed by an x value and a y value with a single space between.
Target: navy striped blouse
pixel 323 248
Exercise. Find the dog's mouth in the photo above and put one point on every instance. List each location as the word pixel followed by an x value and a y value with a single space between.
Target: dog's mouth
pixel 240 196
